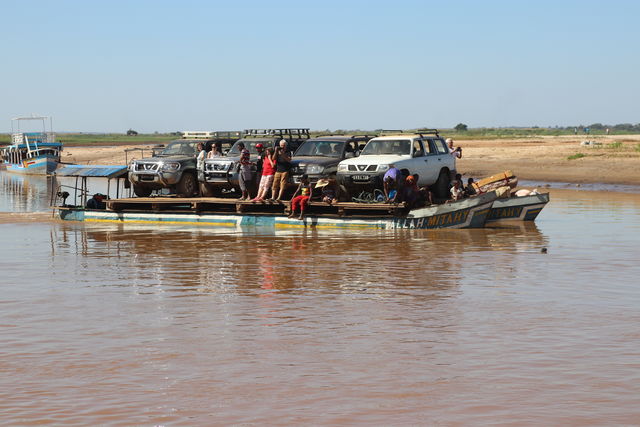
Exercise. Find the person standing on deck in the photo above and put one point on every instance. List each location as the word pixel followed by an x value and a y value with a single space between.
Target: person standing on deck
pixel 266 180
pixel 283 168
pixel 200 157
pixel 245 173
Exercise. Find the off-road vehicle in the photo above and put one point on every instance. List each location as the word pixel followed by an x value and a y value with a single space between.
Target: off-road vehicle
pixel 175 166
pixel 221 173
pixel 319 157
pixel 423 152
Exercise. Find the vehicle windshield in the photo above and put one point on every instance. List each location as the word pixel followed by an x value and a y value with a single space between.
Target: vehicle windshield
pixel 185 148
pixel 250 145
pixel 321 148
pixel 398 147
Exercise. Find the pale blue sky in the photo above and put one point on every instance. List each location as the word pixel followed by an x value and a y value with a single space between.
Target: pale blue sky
pixel 176 65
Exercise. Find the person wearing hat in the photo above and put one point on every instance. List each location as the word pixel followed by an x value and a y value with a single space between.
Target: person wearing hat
pixel 96 202
pixel 302 201
pixel 329 192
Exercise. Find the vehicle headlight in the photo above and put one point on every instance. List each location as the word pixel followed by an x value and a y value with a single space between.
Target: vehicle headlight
pixel 315 169
pixel 171 166
pixel 342 168
pixel 382 168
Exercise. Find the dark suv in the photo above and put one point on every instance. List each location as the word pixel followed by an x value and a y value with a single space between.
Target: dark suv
pixel 174 167
pixel 319 157
pixel 221 173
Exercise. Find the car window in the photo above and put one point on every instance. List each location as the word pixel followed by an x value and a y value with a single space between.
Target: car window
pixel 387 146
pixel 430 148
pixel 250 144
pixel 321 148
pixel 441 146
pixel 187 148
pixel 417 148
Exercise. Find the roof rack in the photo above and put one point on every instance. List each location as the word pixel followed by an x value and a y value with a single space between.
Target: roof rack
pixel 210 135
pixel 363 135
pixel 292 133
pixel 422 132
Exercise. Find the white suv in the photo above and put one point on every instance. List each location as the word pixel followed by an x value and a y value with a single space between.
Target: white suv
pixel 423 153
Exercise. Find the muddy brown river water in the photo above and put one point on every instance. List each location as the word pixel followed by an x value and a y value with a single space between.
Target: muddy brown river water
pixel 176 326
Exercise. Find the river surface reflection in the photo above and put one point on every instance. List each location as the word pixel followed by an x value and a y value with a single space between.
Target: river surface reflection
pixel 142 325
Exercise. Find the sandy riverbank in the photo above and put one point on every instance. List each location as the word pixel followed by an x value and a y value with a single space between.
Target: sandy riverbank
pixel 538 159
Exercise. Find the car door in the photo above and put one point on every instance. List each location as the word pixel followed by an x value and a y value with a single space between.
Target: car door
pixel 418 162
pixel 432 161
pixel 445 159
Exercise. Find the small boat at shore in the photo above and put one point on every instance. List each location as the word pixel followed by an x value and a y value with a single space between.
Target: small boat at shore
pixel 522 208
pixel 34 153
pixel 218 212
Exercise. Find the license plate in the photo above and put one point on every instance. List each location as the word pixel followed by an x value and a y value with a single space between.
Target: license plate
pixel 360 177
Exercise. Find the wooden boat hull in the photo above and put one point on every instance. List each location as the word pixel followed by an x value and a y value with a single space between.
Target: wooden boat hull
pixel 467 213
pixel 525 208
pixel 37 166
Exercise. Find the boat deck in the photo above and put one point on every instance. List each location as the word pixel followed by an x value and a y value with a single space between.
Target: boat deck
pixel 227 205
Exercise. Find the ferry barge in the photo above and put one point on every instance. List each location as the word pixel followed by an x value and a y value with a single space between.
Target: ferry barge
pixel 219 212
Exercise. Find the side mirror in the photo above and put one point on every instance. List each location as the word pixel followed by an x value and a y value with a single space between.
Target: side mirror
pixel 356 153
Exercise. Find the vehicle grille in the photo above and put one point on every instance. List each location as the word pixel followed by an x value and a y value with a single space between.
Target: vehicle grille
pixel 146 167
pixel 214 167
pixel 368 168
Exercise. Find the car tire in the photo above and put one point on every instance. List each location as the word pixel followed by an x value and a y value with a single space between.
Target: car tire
pixel 141 191
pixel 187 186
pixel 441 187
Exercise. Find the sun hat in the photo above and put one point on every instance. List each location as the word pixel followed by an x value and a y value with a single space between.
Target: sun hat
pixel 322 183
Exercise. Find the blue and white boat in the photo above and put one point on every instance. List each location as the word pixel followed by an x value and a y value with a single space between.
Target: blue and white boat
pixel 34 153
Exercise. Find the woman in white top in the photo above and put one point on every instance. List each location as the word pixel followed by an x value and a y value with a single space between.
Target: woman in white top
pixel 201 156
pixel 216 151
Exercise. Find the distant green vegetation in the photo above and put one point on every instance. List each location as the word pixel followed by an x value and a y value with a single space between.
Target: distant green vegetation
pixel 576 156
pixel 461 131
pixel 637 148
pixel 71 139
pixel 614 145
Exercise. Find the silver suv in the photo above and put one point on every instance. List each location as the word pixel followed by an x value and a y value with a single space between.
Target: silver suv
pixel 174 167
pixel 424 153
pixel 221 173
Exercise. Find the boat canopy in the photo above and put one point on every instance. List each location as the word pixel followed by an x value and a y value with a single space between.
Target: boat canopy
pixel 93 171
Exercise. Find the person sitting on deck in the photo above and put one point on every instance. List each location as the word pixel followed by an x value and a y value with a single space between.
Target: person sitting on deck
pixel 469 190
pixel 456 191
pixel 96 202
pixel 425 196
pixel 330 190
pixel 302 201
